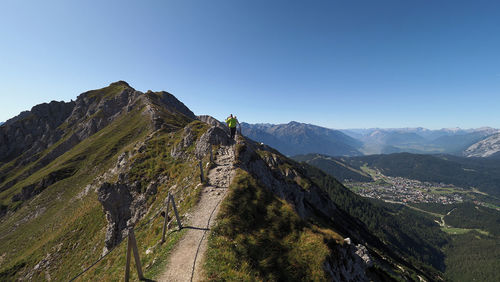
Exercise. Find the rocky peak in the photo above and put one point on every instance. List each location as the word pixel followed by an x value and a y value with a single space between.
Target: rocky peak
pixel 169 102
pixel 67 124
pixel 120 83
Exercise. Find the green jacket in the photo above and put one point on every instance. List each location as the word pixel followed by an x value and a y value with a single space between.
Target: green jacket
pixel 231 122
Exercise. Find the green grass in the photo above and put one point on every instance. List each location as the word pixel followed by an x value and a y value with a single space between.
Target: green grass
pixel 65 222
pixel 72 229
pixel 260 237
pixel 106 92
pixel 156 161
pixel 455 231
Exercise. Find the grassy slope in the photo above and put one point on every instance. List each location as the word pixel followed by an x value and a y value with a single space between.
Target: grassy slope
pixel 65 219
pixel 260 237
pixel 69 231
pixel 12 171
pixel 183 183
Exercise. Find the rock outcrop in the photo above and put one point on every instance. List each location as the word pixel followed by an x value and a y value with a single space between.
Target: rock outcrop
pixel 281 182
pixel 348 263
pixel 214 122
pixel 116 200
pixel 489 147
pixel 214 136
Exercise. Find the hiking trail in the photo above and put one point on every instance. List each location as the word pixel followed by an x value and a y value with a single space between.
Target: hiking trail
pixel 186 259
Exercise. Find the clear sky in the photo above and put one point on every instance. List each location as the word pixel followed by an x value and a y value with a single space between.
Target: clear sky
pixel 339 64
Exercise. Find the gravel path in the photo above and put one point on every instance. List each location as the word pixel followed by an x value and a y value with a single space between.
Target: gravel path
pixel 186 259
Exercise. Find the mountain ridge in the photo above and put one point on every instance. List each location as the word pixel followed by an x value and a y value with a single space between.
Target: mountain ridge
pixel 299 138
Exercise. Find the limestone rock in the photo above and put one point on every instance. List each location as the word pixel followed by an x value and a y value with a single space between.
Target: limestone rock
pixel 346 264
pixel 187 140
pixel 306 202
pixel 116 200
pixel 214 136
pixel 214 122
pixel 488 147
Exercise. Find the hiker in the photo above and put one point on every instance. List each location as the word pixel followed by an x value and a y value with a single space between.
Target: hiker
pixel 231 123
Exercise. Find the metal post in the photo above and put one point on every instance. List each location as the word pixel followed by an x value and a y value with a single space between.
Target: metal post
pixel 202 178
pixel 176 213
pixel 166 220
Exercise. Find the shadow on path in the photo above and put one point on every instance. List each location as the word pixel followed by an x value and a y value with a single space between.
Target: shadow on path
pixel 196 228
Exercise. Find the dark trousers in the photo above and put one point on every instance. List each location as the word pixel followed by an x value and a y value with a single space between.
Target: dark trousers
pixel 232 130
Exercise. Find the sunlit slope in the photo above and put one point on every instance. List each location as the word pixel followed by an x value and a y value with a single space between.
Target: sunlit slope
pixel 59 229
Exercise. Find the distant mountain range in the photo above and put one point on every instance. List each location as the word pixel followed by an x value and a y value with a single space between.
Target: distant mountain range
pixel 418 140
pixel 299 138
pixel 295 138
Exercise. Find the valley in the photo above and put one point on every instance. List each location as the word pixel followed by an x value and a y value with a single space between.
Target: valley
pixel 404 190
pixel 467 217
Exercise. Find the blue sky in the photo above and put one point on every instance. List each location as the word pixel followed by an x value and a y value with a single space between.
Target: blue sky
pixel 339 64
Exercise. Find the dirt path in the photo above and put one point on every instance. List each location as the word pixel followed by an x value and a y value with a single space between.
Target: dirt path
pixel 186 259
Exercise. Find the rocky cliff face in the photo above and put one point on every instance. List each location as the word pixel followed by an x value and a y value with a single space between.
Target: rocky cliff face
pixel 267 166
pixel 33 131
pixel 60 125
pixel 489 147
